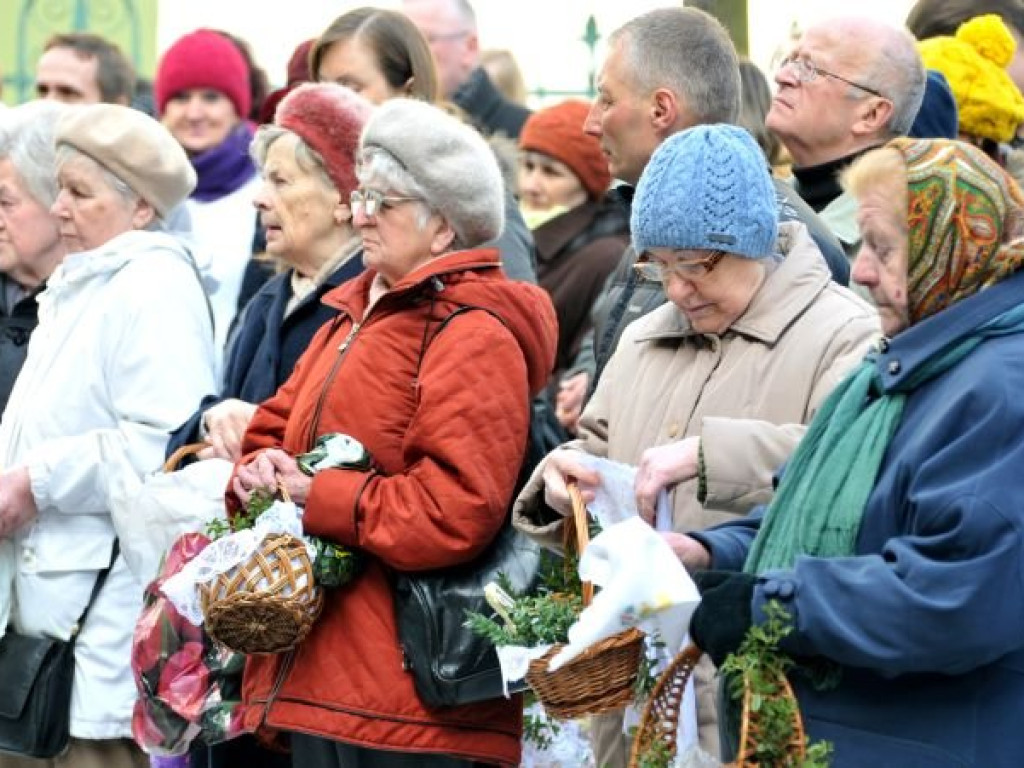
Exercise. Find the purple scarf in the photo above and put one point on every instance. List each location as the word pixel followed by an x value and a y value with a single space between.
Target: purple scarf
pixel 226 167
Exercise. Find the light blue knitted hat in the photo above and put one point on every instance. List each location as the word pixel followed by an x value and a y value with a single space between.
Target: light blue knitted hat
pixel 707 187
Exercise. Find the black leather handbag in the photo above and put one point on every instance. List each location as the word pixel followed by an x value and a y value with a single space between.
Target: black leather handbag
pixel 36 676
pixel 450 663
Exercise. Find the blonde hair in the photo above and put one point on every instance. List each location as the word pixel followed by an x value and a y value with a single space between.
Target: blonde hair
pixel 881 170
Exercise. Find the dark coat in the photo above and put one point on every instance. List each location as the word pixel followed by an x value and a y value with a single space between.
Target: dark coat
pixel 265 344
pixel 491 111
pixel 16 326
pixel 926 618
pixel 576 252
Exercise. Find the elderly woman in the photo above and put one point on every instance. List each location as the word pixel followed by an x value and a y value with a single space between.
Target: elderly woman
pixel 203 97
pixel 123 351
pixel 710 392
pixel 308 162
pixel 430 324
pixel 896 539
pixel 30 244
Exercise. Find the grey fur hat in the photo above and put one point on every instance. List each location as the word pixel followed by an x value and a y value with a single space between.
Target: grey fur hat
pixel 450 161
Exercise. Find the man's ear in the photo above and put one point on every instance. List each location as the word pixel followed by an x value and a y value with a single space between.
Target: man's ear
pixel 143 214
pixel 664 111
pixel 873 117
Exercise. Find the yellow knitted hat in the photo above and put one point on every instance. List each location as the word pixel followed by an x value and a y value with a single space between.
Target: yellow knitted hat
pixel 974 62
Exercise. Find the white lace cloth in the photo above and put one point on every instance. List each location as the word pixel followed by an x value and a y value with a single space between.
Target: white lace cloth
pixel 225 553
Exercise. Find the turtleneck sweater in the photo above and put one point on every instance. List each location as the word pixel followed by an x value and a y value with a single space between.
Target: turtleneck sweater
pixel 819 185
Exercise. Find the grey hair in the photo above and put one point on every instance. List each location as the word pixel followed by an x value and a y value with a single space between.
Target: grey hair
pixel 689 52
pixel 465 12
pixel 65 153
pixel 897 71
pixel 27 140
pixel 307 158
pixel 377 167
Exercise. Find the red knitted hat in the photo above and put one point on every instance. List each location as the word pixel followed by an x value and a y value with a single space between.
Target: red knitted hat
pixel 558 131
pixel 203 59
pixel 329 118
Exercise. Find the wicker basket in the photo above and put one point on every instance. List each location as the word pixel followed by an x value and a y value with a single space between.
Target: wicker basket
pixel 268 603
pixel 602 677
pixel 660 720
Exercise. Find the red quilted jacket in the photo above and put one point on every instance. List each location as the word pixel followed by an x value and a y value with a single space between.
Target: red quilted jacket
pixel 449 441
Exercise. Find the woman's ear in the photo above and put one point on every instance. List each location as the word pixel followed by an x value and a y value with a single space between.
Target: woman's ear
pixel 342 212
pixel 143 214
pixel 407 88
pixel 443 237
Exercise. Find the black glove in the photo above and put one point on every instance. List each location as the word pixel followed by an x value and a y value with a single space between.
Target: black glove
pixel 724 614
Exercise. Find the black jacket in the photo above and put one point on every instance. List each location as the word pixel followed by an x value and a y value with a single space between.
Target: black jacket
pixel 16 326
pixel 491 111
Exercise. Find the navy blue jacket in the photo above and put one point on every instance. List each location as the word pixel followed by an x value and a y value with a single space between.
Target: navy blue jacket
pixel 927 619
pixel 265 345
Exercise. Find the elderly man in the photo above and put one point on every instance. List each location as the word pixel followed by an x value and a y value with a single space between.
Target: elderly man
pixel 849 85
pixel 82 68
pixel 666 71
pixel 450 28
pixel 30 244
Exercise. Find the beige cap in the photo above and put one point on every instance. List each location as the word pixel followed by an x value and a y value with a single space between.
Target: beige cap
pixel 135 148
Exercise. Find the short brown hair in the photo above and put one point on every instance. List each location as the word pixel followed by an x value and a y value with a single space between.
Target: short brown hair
pixel 115 75
pixel 401 51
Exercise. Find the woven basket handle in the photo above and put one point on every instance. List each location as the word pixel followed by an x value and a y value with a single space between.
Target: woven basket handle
pixel 186 450
pixel 579 517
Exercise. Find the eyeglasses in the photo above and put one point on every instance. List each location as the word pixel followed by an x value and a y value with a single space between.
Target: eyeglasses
pixel 807 72
pixel 655 271
pixel 373 201
pixel 446 37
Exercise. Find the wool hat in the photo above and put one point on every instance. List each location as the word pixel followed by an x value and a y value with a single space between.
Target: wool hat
pixel 135 148
pixel 558 132
pixel 937 118
pixel 329 118
pixel 707 188
pixel 451 162
pixel 974 62
pixel 203 59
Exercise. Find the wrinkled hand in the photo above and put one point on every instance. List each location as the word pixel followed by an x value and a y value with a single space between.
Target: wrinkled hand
pixel 264 472
pixel 226 423
pixel 663 467
pixel 563 464
pixel 690 551
pixel 569 400
pixel 17 504
pixel 724 614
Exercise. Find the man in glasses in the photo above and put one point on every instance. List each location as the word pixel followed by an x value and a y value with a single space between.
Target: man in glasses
pixel 450 28
pixel 849 85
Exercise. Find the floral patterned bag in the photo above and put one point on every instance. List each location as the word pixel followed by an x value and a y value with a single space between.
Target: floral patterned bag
pixel 189 687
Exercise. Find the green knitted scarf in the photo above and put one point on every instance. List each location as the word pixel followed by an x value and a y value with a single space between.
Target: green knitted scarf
pixel 819 504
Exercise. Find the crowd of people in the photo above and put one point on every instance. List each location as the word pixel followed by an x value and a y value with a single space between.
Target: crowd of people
pixel 798 310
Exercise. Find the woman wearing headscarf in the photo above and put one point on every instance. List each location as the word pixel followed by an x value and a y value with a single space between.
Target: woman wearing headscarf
pixel 307 159
pixel 203 98
pixel 123 351
pixel 708 394
pixel 430 365
pixel 895 541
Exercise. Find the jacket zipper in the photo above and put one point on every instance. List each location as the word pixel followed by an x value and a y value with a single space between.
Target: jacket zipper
pixel 342 351
pixel 282 673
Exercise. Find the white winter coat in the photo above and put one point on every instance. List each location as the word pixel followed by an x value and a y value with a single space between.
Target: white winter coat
pixel 122 354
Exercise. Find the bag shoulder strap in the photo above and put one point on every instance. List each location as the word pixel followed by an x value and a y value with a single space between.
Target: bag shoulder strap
pixel 101 579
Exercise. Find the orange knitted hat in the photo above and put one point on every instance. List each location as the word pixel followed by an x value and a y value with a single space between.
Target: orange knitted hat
pixel 558 132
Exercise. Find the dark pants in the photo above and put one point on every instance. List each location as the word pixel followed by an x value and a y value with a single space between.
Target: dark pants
pixel 241 752
pixel 314 752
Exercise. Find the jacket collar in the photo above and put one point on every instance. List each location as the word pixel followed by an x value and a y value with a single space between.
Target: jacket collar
pixel 786 293
pixel 899 358
pixel 352 296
